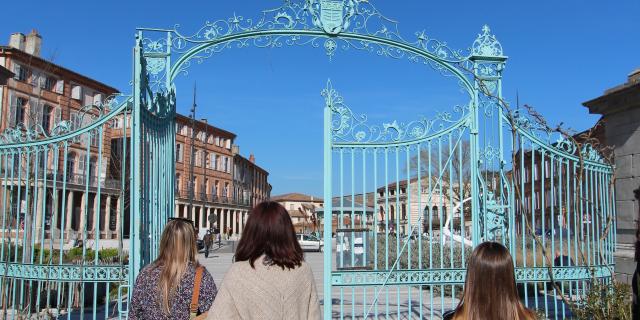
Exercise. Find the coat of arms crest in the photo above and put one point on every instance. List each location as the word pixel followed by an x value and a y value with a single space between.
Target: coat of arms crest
pixel 334 15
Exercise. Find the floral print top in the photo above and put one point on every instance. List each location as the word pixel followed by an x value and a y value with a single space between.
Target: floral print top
pixel 145 301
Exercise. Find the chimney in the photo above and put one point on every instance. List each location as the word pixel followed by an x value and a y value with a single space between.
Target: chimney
pixel 33 43
pixel 17 41
pixel 252 158
pixel 634 76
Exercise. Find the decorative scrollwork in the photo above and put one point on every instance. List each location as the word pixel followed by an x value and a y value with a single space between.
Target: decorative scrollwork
pixel 34 131
pixel 349 127
pixel 486 44
pixel 328 24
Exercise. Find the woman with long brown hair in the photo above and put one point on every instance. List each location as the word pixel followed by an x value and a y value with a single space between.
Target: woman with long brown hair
pixel 490 287
pixel 269 279
pixel 175 285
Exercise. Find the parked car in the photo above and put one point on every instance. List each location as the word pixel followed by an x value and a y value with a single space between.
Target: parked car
pixel 310 242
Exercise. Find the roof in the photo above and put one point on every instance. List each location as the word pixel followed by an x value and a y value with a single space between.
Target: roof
pixel 199 123
pixel 346 204
pixel 298 197
pixel 624 96
pixel 4 75
pixel 295 213
pixel 24 55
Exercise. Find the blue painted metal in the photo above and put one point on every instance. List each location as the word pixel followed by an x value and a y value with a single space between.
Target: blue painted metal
pixel 39 171
pixel 439 185
pixel 470 186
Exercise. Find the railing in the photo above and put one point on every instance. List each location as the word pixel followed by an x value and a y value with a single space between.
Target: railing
pixel 211 198
pixel 71 179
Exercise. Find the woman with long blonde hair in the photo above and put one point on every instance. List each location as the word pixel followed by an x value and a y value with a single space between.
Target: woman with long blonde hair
pixel 490 287
pixel 165 288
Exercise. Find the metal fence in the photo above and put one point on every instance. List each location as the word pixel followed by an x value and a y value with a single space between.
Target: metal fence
pixel 56 216
pixel 412 198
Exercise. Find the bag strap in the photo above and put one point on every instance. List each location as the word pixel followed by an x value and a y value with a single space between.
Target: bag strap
pixel 193 308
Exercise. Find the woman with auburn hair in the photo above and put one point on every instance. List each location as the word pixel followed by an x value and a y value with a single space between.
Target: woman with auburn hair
pixel 269 279
pixel 490 287
pixel 175 285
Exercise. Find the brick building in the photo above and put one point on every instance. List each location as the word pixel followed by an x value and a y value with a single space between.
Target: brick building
pixel 38 94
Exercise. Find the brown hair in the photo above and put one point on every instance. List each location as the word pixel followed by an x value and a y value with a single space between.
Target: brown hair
pixel 177 250
pixel 269 231
pixel 490 288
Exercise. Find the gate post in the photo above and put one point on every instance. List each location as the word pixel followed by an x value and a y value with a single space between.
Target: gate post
pixel 328 210
pixel 488 63
pixel 135 262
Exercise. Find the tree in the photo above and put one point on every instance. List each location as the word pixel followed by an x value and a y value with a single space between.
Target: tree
pixel 449 168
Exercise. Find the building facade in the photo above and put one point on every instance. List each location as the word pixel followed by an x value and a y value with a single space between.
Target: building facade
pixel 411 204
pixel 620 110
pixel 215 185
pixel 302 209
pixel 40 96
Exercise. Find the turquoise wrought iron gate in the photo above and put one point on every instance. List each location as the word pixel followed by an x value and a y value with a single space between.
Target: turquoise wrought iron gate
pixel 406 201
pixel 63 205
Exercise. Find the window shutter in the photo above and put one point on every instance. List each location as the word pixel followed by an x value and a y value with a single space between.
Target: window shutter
pixel 57 117
pixel 13 102
pixel 16 71
pixel 60 86
pixel 40 113
pixel 35 79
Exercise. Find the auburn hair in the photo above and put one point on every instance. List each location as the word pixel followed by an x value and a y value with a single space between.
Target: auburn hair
pixel 269 231
pixel 490 290
pixel 177 250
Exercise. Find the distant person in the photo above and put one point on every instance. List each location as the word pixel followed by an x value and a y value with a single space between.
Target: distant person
pixel 208 241
pixel 490 287
pixel 269 279
pixel 164 289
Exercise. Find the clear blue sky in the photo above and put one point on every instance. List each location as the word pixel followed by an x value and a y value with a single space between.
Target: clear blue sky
pixel 562 53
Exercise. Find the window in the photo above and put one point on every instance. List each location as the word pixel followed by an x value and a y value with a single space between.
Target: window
pixel 203 159
pixel 97 98
pixel 196 161
pixel 21 110
pixel 225 192
pixel 215 162
pixel 21 73
pixel 217 141
pixel 76 92
pixel 228 144
pixel 60 86
pixel 48 83
pixel 47 116
pixel 179 152
pixel 95 138
pixel 177 181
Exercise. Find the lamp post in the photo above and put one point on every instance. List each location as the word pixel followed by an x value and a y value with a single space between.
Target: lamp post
pixel 191 160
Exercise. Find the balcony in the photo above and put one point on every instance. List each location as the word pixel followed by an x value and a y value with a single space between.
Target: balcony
pixel 212 198
pixel 71 179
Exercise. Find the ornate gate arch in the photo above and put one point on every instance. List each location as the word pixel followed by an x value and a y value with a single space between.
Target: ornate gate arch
pixel 350 25
pixel 480 173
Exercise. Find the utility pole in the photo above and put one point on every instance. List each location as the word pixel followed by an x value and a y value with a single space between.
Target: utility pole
pixel 193 152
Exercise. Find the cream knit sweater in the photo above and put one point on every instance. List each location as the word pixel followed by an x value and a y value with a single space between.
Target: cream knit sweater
pixel 266 292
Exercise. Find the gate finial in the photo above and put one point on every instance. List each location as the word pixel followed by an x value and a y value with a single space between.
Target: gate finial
pixel 486 44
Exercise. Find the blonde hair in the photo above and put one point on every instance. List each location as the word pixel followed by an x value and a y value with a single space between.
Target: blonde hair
pixel 177 249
